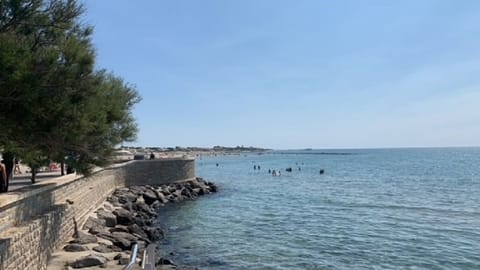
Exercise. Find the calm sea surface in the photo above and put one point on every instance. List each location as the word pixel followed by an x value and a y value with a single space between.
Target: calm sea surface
pixel 372 209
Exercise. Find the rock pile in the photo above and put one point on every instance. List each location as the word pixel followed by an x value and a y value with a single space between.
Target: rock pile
pixel 127 218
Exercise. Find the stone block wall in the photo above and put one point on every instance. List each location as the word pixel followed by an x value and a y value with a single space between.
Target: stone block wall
pixel 151 172
pixel 39 219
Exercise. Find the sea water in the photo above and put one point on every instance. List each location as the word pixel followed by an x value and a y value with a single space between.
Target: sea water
pixel 371 209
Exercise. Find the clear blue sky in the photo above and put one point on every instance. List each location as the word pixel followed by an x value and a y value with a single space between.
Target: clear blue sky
pixel 296 74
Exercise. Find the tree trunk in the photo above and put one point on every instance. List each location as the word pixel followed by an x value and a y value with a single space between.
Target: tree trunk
pixel 3 180
pixel 62 167
pixel 34 175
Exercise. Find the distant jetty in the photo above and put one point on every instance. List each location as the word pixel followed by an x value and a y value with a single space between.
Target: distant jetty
pixel 160 152
pixel 310 152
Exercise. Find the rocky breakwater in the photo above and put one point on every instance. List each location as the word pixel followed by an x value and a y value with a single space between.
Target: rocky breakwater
pixel 126 218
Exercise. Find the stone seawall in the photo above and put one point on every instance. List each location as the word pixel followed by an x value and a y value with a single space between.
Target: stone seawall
pixel 38 219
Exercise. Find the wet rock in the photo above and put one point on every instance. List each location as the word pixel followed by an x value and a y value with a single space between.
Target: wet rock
pixel 75 248
pixel 213 187
pixel 164 261
pixel 187 192
pixel 92 260
pixel 154 234
pixel 158 204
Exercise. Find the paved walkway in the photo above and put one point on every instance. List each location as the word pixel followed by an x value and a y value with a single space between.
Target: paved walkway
pixel 24 179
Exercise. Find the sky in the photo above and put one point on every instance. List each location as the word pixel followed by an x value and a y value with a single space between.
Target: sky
pixel 296 74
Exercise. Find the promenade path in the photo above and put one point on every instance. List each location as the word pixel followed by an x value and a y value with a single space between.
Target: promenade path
pixel 23 180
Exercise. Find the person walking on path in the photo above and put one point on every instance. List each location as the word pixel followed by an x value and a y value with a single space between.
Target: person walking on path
pixel 17 167
pixel 3 180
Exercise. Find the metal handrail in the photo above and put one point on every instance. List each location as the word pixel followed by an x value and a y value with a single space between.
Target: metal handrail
pixel 144 258
pixel 149 259
pixel 149 256
pixel 133 257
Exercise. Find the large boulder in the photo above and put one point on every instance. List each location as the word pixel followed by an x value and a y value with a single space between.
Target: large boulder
pixel 93 222
pixel 108 207
pixel 97 230
pixel 123 240
pixel 157 204
pixel 213 187
pixel 143 219
pixel 75 248
pixel 138 189
pixel 91 260
pixel 153 233
pixel 124 196
pixel 122 243
pixel 187 193
pixel 124 235
pixel 164 261
pixel 83 238
pixel 123 260
pixel 105 235
pixel 103 248
pixel 124 217
pixel 143 207
pixel 120 228
pixel 161 197
pixel 135 229
pixel 149 196
pixel 114 201
pixel 109 217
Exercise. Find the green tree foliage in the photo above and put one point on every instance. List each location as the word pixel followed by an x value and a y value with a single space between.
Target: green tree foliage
pixel 52 100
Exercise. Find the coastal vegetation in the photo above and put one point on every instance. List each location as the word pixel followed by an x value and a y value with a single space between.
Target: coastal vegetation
pixel 55 104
